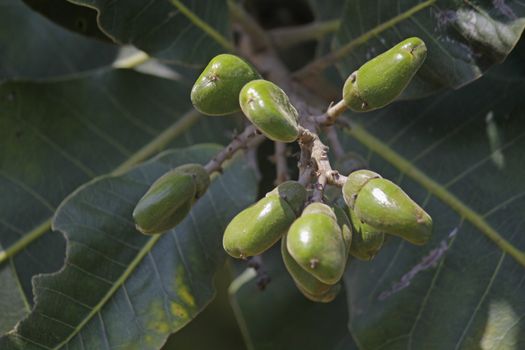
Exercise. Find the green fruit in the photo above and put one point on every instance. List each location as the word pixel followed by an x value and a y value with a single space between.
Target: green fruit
pixel 325 297
pixel 386 207
pixel 200 177
pixel 382 79
pixel 346 226
pixel 267 106
pixel 354 183
pixel 293 193
pixel 315 241
pixel 319 208
pixel 307 284
pixel 166 203
pixel 216 91
pixel 366 241
pixel 257 228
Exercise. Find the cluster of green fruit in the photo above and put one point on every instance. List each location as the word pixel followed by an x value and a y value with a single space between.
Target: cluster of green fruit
pixel 229 84
pixel 317 239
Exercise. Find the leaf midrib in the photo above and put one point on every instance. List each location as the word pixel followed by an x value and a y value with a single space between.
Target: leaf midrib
pixel 336 55
pixel 440 192
pixel 114 288
pixel 202 25
pixel 154 146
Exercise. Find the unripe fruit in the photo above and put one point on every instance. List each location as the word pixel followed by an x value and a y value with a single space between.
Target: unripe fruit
pixel 355 181
pixel 385 207
pixel 257 228
pixel 267 106
pixel 310 286
pixel 216 91
pixel 319 208
pixel 315 241
pixel 325 297
pixel 346 226
pixel 366 241
pixel 200 177
pixel 170 199
pixel 293 193
pixel 381 80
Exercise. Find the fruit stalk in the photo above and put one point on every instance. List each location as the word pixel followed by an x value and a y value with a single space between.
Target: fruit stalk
pixel 250 134
pixel 319 158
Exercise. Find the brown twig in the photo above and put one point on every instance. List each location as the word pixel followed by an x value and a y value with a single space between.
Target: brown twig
pixel 319 157
pixel 305 165
pixel 250 134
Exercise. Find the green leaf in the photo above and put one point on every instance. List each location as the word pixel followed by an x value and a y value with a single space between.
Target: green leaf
pixel 55 136
pixel 12 303
pixel 280 317
pixel 461 155
pixel 119 288
pixel 79 19
pixel 464 38
pixel 32 47
pixel 179 31
pixel 325 10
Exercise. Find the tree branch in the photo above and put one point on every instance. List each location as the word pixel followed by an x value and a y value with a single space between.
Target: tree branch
pixel 314 159
pixel 249 135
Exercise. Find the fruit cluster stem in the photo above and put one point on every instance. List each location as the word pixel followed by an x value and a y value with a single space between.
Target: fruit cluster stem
pixel 256 45
pixel 318 158
pixel 249 135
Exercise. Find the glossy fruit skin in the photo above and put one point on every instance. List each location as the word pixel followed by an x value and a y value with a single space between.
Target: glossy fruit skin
pixel 293 193
pixel 346 226
pixel 310 286
pixel 355 181
pixel 200 177
pixel 381 80
pixel 325 297
pixel 169 199
pixel 257 228
pixel 315 241
pixel 366 240
pixel 268 107
pixel 216 91
pixel 386 207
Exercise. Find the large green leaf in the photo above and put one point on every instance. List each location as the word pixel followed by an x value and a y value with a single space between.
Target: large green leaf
pixel 280 317
pixel 33 47
pixel 54 136
pixel 75 18
pixel 181 31
pixel 464 38
pixel 119 288
pixel 461 155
